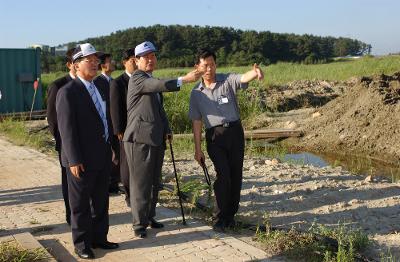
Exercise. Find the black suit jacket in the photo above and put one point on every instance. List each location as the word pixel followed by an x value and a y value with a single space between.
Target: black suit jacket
pixel 81 128
pixel 103 86
pixel 51 112
pixel 147 120
pixel 118 111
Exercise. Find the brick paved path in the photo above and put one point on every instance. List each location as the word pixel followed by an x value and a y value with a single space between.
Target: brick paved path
pixel 31 201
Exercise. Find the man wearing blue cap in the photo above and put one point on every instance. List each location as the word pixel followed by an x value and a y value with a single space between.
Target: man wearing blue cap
pixel 145 135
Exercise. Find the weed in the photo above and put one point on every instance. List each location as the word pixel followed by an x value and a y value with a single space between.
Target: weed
pixel 34 222
pixel 43 209
pixel 388 257
pixel 19 132
pixel 11 251
pixel 317 244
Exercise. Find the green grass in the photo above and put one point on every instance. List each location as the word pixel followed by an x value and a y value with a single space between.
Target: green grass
pixel 177 104
pixel 388 257
pixel 313 244
pixel 21 134
pixel 11 251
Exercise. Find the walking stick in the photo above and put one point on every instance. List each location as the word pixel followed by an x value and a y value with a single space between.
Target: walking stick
pixel 177 183
pixel 206 175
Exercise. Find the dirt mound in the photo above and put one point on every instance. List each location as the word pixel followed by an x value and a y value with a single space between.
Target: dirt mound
pixel 303 94
pixel 364 119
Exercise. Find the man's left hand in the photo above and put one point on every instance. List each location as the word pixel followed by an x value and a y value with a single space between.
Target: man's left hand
pixel 169 137
pixel 257 69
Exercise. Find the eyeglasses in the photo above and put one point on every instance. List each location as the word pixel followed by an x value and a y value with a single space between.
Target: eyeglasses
pixel 91 60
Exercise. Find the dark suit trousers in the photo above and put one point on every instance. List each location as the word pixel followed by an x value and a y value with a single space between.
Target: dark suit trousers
pixel 88 198
pixel 124 170
pixel 225 146
pixel 145 163
pixel 64 186
pixel 115 174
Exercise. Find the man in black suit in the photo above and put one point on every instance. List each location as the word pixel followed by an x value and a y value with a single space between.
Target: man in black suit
pixel 86 153
pixel 118 91
pixel 52 91
pixel 102 82
pixel 145 134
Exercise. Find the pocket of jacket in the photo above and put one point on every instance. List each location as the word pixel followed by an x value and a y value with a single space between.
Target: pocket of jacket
pixel 149 133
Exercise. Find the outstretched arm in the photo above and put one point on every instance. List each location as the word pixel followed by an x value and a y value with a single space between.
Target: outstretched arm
pixel 256 72
pixel 144 84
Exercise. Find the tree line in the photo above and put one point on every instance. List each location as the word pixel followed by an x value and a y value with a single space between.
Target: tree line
pixel 177 46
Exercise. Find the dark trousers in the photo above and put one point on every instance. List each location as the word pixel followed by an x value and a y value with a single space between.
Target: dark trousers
pixel 88 199
pixel 115 177
pixel 145 163
pixel 64 188
pixel 124 170
pixel 225 146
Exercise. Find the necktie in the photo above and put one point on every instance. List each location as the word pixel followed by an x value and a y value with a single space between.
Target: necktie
pixel 96 103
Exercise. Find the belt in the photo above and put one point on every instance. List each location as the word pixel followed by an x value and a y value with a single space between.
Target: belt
pixel 228 124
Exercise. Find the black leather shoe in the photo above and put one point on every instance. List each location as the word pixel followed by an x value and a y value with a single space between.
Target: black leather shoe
pixel 219 226
pixel 115 191
pixel 230 223
pixel 141 232
pixel 155 224
pixel 128 202
pixel 105 245
pixel 86 253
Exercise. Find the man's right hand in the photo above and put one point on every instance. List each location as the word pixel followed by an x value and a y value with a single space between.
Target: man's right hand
pixel 192 76
pixel 76 170
pixel 120 136
pixel 199 157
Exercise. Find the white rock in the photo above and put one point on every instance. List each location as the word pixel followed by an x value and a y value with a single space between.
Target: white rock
pixel 369 179
pixel 354 201
pixel 272 162
pixel 343 204
pixel 290 124
pixel 316 114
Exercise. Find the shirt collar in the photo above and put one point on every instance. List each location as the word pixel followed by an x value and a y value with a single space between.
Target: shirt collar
pixel 218 78
pixel 126 72
pixel 72 76
pixel 85 82
pixel 107 77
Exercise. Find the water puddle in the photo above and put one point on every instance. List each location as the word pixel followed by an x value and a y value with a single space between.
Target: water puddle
pixel 359 165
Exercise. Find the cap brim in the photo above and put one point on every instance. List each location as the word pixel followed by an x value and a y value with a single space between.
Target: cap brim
pixel 145 53
pixel 97 53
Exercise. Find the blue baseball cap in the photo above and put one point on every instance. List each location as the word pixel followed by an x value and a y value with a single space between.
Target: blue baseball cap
pixel 144 48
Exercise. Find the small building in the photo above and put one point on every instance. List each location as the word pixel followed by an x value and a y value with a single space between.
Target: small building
pixel 19 69
pixel 60 50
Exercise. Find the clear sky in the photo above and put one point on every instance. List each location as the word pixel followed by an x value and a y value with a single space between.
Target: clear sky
pixel 54 22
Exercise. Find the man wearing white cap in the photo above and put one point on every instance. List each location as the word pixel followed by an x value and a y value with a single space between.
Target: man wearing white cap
pixel 86 153
pixel 145 134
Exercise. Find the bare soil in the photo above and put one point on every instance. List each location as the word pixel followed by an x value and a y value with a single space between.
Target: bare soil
pixel 359 116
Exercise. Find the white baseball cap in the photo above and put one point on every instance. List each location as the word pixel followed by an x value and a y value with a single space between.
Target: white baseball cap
pixel 84 50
